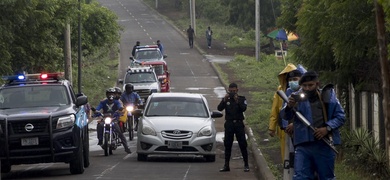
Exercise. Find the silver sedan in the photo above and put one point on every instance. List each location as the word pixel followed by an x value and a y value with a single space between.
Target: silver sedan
pixel 177 123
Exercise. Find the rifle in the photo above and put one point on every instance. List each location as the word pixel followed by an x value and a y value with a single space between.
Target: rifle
pixel 306 122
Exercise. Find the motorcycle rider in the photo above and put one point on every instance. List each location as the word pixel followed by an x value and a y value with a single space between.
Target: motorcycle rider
pixel 129 97
pixel 110 105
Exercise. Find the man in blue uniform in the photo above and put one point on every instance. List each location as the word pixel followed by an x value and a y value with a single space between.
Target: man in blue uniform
pixel 324 112
pixel 234 106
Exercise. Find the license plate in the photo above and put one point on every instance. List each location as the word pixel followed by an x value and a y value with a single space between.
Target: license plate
pixel 175 144
pixel 30 141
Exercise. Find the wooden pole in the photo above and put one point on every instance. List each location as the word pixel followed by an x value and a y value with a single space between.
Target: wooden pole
pixel 382 44
pixel 68 54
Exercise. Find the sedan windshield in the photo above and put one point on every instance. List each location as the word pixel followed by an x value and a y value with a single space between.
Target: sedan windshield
pixel 33 96
pixel 177 106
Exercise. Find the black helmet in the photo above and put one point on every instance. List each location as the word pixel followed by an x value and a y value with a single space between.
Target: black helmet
pixel 118 93
pixel 118 90
pixel 110 93
pixel 129 88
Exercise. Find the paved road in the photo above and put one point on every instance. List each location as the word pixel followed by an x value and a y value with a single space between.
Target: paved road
pixel 190 72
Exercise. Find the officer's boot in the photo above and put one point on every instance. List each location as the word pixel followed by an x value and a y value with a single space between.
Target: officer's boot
pixel 225 167
pixel 246 166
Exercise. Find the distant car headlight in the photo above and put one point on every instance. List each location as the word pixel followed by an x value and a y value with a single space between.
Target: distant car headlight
pixel 146 130
pixel 153 90
pixel 107 120
pixel 65 121
pixel 206 131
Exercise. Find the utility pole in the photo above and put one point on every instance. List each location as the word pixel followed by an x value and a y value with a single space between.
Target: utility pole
pixel 192 15
pixel 79 51
pixel 257 14
pixel 381 36
pixel 68 54
pixel 156 4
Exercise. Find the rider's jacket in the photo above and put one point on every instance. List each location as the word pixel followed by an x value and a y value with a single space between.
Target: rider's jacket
pixel 335 115
pixel 109 108
pixel 131 98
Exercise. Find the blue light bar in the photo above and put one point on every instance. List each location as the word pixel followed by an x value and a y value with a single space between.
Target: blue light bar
pixel 21 77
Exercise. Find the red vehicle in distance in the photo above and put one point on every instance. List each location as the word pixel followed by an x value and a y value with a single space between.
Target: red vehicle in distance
pixel 161 70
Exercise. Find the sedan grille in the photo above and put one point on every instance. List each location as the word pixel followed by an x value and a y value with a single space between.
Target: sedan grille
pixel 176 134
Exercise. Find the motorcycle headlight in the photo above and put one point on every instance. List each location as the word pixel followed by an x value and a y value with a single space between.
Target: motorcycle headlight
pixel 146 130
pixel 65 121
pixel 107 120
pixel 206 131
pixel 129 108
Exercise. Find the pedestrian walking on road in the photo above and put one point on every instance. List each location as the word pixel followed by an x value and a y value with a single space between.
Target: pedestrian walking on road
pixel 135 47
pixel 160 46
pixel 323 111
pixel 190 34
pixel 209 34
pixel 234 106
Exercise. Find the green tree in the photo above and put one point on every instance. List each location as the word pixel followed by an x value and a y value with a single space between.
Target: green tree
pixel 99 29
pixel 32 32
pixel 336 38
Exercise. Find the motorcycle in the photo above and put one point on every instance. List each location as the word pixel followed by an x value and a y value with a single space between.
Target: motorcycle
pixel 111 140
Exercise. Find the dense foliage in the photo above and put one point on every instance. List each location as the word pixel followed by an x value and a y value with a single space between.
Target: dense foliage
pixel 337 38
pixel 32 32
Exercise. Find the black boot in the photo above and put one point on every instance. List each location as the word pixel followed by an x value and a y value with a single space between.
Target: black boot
pixel 225 168
pixel 246 166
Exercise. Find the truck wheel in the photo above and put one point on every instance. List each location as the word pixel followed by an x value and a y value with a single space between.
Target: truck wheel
pixel 5 167
pixel 105 143
pixel 76 165
pixel 86 148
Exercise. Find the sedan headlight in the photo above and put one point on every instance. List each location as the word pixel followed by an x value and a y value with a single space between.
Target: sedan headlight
pixel 65 121
pixel 206 131
pixel 146 130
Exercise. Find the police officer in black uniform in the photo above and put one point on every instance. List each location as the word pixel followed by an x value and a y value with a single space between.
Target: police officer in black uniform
pixel 235 107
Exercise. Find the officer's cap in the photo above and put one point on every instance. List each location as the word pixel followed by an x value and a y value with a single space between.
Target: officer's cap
pixel 308 76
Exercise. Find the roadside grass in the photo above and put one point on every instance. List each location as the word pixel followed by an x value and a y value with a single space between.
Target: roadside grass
pixel 260 79
pixel 231 35
pixel 98 73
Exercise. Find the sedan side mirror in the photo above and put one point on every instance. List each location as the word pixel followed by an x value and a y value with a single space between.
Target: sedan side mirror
pixel 216 114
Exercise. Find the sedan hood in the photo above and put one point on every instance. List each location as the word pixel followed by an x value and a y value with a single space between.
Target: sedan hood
pixel 152 85
pixel 182 123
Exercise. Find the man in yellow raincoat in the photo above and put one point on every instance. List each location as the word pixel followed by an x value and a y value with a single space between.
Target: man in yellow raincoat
pixel 273 128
